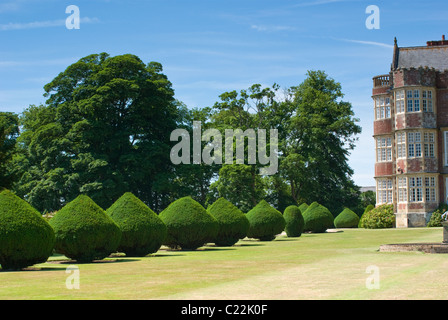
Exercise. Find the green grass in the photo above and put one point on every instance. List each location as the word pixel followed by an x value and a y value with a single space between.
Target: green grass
pixel 314 266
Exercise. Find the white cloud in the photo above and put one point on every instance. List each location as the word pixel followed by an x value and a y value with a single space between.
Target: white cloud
pixel 371 43
pixel 9 6
pixel 41 24
pixel 318 2
pixel 264 28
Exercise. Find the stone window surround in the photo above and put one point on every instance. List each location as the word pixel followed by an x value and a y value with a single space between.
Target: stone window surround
pixel 418 188
pixel 427 144
pixel 424 101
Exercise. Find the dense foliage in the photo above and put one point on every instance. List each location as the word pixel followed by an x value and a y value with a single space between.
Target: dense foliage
pixel 189 225
pixel 233 224
pixel 379 218
pixel 105 129
pixel 436 217
pixel 143 232
pixel 98 134
pixel 25 237
pixel 294 221
pixel 346 219
pixel 318 218
pixel 265 222
pixel 84 232
pixel 303 207
pixel 9 131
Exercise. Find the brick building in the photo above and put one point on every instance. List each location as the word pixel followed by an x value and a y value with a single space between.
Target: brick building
pixel 411 132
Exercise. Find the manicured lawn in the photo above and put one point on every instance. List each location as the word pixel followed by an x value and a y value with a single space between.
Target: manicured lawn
pixel 314 266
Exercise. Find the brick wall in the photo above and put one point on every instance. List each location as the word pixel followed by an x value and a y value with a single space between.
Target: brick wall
pixel 382 127
pixel 384 169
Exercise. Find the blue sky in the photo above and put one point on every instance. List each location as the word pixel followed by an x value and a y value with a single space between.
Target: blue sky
pixel 208 47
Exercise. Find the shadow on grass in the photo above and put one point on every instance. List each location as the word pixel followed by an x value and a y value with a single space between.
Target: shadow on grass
pixel 32 269
pixel 107 260
pixel 250 243
pixel 165 255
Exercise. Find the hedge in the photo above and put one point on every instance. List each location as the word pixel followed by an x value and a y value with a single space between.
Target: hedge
pixel 25 237
pixel 317 218
pixel 233 224
pixel 265 222
pixel 294 221
pixel 189 225
pixel 84 232
pixel 381 217
pixel 143 232
pixel 346 219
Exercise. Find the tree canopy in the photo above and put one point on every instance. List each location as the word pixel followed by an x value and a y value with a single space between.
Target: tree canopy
pixel 105 129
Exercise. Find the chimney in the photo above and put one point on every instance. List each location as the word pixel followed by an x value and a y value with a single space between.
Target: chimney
pixel 442 42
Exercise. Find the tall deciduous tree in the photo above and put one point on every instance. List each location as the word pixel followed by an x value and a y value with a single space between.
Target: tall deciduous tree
pixel 9 131
pixel 104 131
pixel 322 132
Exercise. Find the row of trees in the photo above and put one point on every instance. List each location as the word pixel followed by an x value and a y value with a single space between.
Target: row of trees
pixel 105 130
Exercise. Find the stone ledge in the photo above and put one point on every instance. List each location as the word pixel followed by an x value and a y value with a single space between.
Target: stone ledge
pixel 422 247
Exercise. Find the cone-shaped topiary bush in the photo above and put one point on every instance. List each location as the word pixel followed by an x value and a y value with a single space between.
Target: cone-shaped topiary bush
pixel 25 237
pixel 294 221
pixel 318 218
pixel 346 219
pixel 189 225
pixel 265 222
pixel 303 207
pixel 84 232
pixel 142 231
pixel 233 224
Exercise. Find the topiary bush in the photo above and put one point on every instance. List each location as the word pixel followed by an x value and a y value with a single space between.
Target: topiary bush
pixel 303 207
pixel 381 217
pixel 25 237
pixel 233 224
pixel 317 218
pixel 294 221
pixel 369 207
pixel 189 225
pixel 346 219
pixel 436 219
pixel 84 232
pixel 265 222
pixel 142 231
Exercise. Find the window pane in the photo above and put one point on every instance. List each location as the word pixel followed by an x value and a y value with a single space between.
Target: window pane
pixel 410 109
pixel 418 137
pixel 411 151
pixel 416 105
pixel 418 150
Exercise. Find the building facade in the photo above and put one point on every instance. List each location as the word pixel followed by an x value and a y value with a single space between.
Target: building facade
pixel 411 132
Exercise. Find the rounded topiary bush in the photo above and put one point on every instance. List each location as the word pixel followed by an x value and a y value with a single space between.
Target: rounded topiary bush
pixel 233 224
pixel 265 222
pixel 346 219
pixel 25 237
pixel 294 221
pixel 142 231
pixel 381 217
pixel 189 225
pixel 317 218
pixel 84 232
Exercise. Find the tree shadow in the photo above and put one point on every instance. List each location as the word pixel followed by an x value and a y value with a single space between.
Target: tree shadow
pixel 107 260
pixel 250 243
pixel 287 239
pixel 32 269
